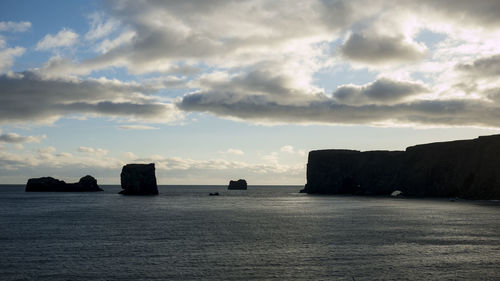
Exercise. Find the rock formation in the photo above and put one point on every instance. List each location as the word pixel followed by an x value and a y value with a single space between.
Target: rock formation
pixel 239 184
pixel 466 169
pixel 87 183
pixel 138 179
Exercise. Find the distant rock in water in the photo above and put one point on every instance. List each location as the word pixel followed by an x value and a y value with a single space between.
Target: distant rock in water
pixel 239 184
pixel 139 179
pixel 467 169
pixel 87 183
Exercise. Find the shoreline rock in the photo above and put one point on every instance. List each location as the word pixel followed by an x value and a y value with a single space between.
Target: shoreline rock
pixel 468 169
pixel 50 184
pixel 138 179
pixel 240 184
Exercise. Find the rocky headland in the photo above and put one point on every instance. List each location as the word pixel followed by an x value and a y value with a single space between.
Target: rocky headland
pixel 138 179
pixel 240 184
pixel 468 169
pixel 50 184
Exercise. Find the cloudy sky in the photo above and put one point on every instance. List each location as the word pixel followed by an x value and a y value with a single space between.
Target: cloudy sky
pixel 215 90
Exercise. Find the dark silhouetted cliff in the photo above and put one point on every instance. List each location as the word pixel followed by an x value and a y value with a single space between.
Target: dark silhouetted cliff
pixel 87 183
pixel 466 169
pixel 138 179
pixel 240 184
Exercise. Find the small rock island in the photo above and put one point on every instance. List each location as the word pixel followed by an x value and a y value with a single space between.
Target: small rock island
pixel 138 179
pixel 240 184
pixel 468 169
pixel 50 184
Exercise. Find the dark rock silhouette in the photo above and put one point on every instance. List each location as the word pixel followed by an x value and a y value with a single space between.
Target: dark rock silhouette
pixel 138 179
pixel 467 169
pixel 87 183
pixel 239 184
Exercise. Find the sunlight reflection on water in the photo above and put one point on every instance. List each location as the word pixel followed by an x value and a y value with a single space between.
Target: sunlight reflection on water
pixel 262 233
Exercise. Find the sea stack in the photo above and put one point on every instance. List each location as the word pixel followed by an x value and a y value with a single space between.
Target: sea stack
pixel 50 184
pixel 468 169
pixel 138 179
pixel 238 185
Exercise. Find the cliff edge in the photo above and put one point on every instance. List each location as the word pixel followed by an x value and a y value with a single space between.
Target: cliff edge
pixel 467 169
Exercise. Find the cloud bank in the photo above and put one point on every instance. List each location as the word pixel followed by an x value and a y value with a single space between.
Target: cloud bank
pixel 257 60
pixel 30 97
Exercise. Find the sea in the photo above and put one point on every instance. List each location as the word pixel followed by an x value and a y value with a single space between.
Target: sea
pixel 263 233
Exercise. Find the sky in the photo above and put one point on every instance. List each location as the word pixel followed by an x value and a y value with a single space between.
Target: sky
pixel 216 90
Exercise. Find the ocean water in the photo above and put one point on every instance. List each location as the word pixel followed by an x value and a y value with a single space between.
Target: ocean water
pixel 264 233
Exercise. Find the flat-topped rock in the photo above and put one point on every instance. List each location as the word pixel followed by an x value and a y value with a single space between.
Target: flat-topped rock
pixel 240 184
pixel 467 169
pixel 50 184
pixel 138 179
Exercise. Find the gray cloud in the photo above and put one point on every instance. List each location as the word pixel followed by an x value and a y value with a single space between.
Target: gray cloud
pixel 376 103
pixel 168 33
pixel 482 12
pixel 382 91
pixel 260 85
pixel 484 67
pixel 30 97
pixel 380 49
pixel 164 35
pixel 429 113
pixel 15 138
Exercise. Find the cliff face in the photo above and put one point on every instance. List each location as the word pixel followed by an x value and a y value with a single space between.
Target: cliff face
pixel 466 169
pixel 138 179
pixel 240 184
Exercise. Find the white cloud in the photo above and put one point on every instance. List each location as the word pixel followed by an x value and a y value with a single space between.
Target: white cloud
pixel 64 38
pixel 287 149
pixel 158 35
pixel 7 57
pixel 169 170
pixel 130 155
pixel 291 150
pixel 271 158
pixel 120 40
pixel 100 27
pixel 234 151
pixel 137 127
pixel 10 26
pixel 47 149
pixel 93 151
pixel 258 59
pixel 18 146
pixel 48 160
